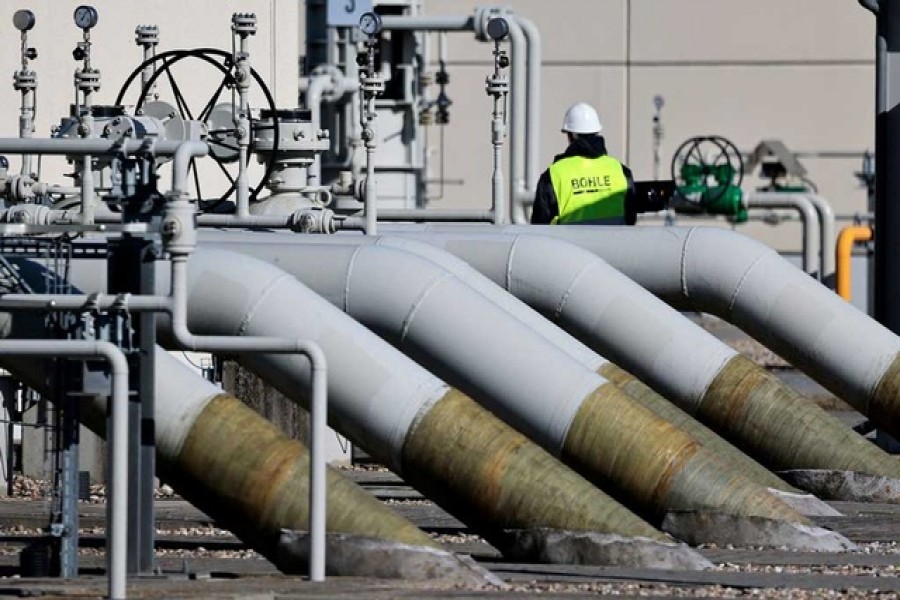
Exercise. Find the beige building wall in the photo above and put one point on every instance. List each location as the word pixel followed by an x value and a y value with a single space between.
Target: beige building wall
pixel 798 70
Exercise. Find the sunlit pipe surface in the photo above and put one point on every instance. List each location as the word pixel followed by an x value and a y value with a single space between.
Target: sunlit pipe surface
pixel 681 361
pixel 748 284
pixel 569 409
pixel 533 320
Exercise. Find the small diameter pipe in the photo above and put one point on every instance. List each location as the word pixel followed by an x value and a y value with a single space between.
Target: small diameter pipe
pixel 808 216
pixel 318 398
pixel 533 118
pixel 117 509
pixel 826 237
pixel 848 237
pixel 432 23
pixel 318 85
pixel 517 117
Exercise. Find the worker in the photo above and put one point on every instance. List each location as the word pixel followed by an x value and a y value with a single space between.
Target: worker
pixel 584 184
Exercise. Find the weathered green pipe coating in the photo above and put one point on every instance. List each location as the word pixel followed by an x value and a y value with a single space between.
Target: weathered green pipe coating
pixel 770 421
pixel 636 456
pixel 476 466
pixel 661 407
pixel 884 402
pixel 258 482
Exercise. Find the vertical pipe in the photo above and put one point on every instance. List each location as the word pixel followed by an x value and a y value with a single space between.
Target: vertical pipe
pixel 826 237
pixel 517 113
pixel 808 217
pixel 317 483
pixel 533 114
pixel 844 253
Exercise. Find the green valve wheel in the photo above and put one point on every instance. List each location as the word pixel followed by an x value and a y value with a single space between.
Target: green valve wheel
pixel 708 171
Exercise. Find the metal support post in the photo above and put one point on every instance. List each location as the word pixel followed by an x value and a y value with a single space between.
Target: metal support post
pixel 887 152
pixel 130 271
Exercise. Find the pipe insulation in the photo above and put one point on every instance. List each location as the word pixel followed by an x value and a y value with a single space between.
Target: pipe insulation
pixel 750 285
pixel 452 450
pixel 237 467
pixel 537 323
pixel 615 316
pixel 573 412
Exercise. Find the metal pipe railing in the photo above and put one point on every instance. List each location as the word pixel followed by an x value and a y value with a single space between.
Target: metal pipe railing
pixel 808 216
pixel 179 236
pixel 117 508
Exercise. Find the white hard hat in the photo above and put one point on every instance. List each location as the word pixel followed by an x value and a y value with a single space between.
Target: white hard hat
pixel 581 118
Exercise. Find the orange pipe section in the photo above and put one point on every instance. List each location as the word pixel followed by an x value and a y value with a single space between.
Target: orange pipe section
pixel 843 250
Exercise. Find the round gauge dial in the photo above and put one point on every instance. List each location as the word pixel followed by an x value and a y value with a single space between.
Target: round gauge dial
pixel 497 28
pixel 23 20
pixel 370 23
pixel 85 16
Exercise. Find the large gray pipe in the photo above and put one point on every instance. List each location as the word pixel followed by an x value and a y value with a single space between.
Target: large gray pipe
pixel 495 479
pixel 749 284
pixel 456 332
pixel 237 467
pixel 534 321
pixel 702 375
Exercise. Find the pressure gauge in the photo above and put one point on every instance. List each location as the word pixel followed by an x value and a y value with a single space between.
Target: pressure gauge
pixel 23 20
pixel 370 23
pixel 85 16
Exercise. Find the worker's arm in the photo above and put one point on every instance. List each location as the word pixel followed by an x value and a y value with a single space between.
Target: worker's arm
pixel 545 206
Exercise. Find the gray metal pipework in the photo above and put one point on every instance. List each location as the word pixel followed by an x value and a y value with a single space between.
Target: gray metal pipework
pixel 459 334
pixel 531 318
pixel 827 237
pixel 749 284
pixel 532 120
pixel 809 219
pixel 524 110
pixel 117 509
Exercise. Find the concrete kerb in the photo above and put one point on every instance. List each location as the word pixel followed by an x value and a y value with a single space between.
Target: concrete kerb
pixel 696 527
pixel 555 546
pixel 361 556
pixel 850 486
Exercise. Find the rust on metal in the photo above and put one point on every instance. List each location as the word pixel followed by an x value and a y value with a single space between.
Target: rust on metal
pixel 783 430
pixel 258 483
pixel 658 405
pixel 650 463
pixel 480 469
pixel 884 404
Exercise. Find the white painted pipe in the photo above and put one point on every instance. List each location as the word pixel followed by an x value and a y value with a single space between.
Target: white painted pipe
pixel 827 237
pixel 117 507
pixel 532 146
pixel 809 219
pixel 748 284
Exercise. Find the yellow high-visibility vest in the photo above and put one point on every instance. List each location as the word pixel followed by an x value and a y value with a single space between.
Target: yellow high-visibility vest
pixel 589 190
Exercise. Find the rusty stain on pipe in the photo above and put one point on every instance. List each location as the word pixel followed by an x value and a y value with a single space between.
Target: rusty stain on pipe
pixel 743 396
pixel 664 409
pixel 257 483
pixel 629 451
pixel 501 480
